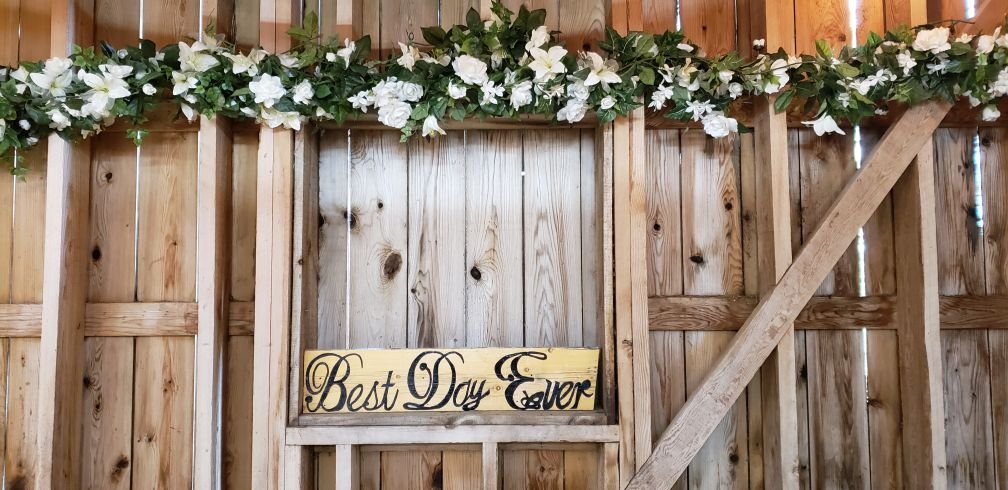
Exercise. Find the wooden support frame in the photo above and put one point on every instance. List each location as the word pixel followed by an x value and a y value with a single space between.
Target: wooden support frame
pixel 65 282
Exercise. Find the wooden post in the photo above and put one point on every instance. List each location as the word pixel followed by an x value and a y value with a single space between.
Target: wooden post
pixel 780 306
pixel 212 297
pixel 774 21
pixel 64 283
pixel 491 466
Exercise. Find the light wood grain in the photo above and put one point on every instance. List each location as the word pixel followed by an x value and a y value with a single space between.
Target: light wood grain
pixel 333 229
pixel 493 240
pixel 461 470
pixel 21 464
pixel 821 19
pixel 664 213
pixel 709 24
pixel 781 306
pixel 401 21
pixel 243 208
pixel 885 414
pixel 236 471
pixel 552 239
pixel 436 314
pixel 668 383
pixel 581 22
pixel 457 434
pixel 413 469
pixel 107 408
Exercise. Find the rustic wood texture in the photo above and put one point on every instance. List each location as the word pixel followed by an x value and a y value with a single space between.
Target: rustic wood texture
pixel 333 210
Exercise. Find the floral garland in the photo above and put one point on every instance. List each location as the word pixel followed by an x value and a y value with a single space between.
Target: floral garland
pixel 505 67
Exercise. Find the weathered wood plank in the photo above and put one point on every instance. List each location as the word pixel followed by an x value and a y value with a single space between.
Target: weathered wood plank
pixel 436 315
pixel 664 213
pixel 236 471
pixel 709 24
pixel 411 469
pixel 333 204
pixel 461 469
pixel 668 383
pixel 493 239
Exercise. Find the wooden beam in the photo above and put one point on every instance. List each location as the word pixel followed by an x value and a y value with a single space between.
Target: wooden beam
pixel 461 434
pixel 348 467
pixel 212 268
pixel 920 348
pixel 491 466
pixel 64 283
pixel 713 313
pixel 124 319
pixel 770 320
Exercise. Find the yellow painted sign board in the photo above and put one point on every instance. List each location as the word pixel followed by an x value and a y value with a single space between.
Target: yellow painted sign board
pixel 449 380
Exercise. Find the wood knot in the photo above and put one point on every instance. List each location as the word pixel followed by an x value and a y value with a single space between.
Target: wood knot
pixel 697 259
pixel 96 253
pixel 656 226
pixel 88 381
pixel 475 273
pixel 108 176
pixel 351 218
pixel 729 206
pixel 392 265
pixel 122 463
pixel 733 457
pixel 437 477
pixel 381 205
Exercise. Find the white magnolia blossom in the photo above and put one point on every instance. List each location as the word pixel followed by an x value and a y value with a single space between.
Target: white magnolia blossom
pixel 521 94
pixel 456 91
pixel 573 111
pixel 939 66
pixel 268 89
pixel 472 71
pixel 602 71
pixel 717 125
pixel 660 96
pixel 824 125
pixel 288 60
pixel 409 56
pixel 430 127
pixel 491 92
pixel 182 82
pixel 991 113
pixel 194 59
pixel 345 52
pixel 932 40
pixel 303 92
pixel 55 76
pixel 394 114
pixel 546 64
pixel 699 109
pixel 539 37
pixel 242 64
pixel 274 119
pixel 779 69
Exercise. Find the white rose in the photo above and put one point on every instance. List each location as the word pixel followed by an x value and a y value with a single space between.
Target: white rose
pixel 725 76
pixel 387 91
pixel 267 89
pixel 471 70
pixel 735 90
pixel 573 112
pixel 539 37
pixel 456 91
pixel 330 56
pixel 302 92
pixel 394 114
pixel 607 102
pixel 411 92
pixel 149 89
pixel 717 125
pixel 985 44
pixel 991 113
pixel 521 94
pixel 825 124
pixel 578 90
pixel 430 127
pixel 933 40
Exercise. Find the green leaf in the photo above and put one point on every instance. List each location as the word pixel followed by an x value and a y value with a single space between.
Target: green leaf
pixel 783 100
pixel 473 20
pixel 647 75
pixel 434 35
pixel 847 71
pixel 824 50
pixel 148 48
pixel 537 18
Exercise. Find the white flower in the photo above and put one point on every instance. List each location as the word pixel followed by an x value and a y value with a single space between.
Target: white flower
pixel 242 64
pixel 330 57
pixel 58 120
pixel 602 71
pixel 25 125
pixel 717 125
pixel 443 60
pixel 825 124
pixel 386 91
pixel 539 37
pixel 410 92
pixel 607 102
pixel 685 47
pixel 735 90
pixel 288 60
pixel 660 95
pixel 573 112
pixel 258 55
pixel 302 92
pixel 430 127
pixel 578 90
pixel 471 70
pixel 521 94
pixel 779 68
pixel 1000 86
pixel 685 76
pixel 456 91
pixel 274 118
pixel 973 101
pixel 906 61
pixel 546 64
pixel 964 38
pixel 759 43
pixel 725 76
pixel 844 99
pixel 699 109
pixel 3 127
pixel 940 66
pixel 345 52
pixel 182 83
pixel 148 89
pixel 33 140
pixel 933 40
pixel 985 44
pixel 409 56
pixel 267 89
pixel 394 114
pixel 113 86
pixel 192 59
pixel 491 92
pixel 991 113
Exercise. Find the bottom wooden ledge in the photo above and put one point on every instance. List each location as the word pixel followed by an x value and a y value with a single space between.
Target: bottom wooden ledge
pixel 462 434
pixel 126 319
pixel 822 313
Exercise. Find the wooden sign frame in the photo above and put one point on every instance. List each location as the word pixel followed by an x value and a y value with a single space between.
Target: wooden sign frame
pixel 304 292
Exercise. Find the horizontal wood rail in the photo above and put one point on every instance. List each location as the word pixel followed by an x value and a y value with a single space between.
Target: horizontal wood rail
pixel 453 419
pixel 125 319
pixel 720 313
pixel 462 434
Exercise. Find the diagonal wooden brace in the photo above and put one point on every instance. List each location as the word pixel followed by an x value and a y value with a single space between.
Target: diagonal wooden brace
pixel 778 309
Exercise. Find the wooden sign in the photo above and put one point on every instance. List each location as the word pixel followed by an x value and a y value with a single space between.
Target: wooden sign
pixel 446 380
